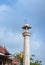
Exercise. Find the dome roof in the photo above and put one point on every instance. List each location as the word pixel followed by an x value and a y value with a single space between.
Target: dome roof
pixel 26 25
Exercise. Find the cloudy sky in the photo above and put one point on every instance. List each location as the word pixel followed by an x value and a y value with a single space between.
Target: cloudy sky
pixel 12 16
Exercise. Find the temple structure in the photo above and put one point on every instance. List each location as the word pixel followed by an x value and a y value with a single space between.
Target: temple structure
pixel 5 58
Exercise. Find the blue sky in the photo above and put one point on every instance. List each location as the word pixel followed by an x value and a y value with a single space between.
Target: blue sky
pixel 12 16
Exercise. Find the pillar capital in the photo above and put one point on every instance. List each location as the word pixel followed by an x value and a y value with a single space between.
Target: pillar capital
pixel 26 34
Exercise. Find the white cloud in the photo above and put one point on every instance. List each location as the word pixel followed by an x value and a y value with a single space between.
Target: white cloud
pixel 10 40
pixel 9 36
pixel 4 8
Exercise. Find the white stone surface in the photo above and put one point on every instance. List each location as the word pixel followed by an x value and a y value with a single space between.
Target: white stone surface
pixel 26 51
pixel 26 35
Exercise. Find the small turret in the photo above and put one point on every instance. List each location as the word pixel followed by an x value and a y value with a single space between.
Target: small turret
pixel 26 27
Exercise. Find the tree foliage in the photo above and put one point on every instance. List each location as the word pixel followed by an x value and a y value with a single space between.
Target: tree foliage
pixel 18 57
pixel 32 60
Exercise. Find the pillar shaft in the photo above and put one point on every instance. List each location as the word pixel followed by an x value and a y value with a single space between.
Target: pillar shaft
pixel 26 48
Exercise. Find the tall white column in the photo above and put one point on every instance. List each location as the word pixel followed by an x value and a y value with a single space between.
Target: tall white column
pixel 26 49
pixel 26 35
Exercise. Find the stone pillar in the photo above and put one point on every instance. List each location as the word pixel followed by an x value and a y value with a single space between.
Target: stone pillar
pixel 26 35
